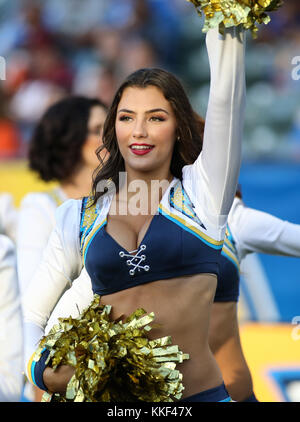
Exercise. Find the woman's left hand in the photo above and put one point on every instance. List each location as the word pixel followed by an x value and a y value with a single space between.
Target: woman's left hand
pixel 57 380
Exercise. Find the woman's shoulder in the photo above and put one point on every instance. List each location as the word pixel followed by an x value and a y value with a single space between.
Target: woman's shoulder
pixel 72 218
pixel 37 199
pixel 48 201
pixel 70 209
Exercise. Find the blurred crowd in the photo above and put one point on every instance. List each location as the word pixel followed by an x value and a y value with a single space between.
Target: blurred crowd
pixel 53 48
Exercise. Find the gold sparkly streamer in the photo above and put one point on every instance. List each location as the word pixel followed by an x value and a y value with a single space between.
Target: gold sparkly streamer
pixel 114 361
pixel 228 13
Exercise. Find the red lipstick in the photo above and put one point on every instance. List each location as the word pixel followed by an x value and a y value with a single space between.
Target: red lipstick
pixel 141 149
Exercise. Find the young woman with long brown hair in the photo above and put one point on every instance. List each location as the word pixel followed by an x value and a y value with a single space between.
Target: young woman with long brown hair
pixel 159 251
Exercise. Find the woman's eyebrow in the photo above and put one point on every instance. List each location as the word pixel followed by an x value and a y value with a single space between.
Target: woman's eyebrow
pixel 125 110
pixel 153 110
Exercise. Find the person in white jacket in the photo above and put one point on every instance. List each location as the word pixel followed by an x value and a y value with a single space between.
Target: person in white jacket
pixel 249 230
pixel 150 122
pixel 11 332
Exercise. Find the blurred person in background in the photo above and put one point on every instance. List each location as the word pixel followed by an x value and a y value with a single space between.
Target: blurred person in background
pixel 248 231
pixel 62 149
pixel 11 331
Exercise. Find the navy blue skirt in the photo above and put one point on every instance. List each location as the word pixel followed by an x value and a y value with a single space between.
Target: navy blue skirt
pixel 216 394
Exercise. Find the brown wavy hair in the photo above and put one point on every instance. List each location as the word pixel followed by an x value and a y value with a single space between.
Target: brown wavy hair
pixel 55 149
pixel 189 130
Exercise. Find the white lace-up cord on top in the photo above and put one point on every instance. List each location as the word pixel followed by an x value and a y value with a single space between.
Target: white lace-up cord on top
pixel 136 259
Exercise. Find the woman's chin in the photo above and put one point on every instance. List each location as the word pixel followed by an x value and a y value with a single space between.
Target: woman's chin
pixel 142 164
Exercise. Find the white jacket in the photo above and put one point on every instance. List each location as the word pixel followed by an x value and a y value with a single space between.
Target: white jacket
pixel 258 231
pixel 8 216
pixel 11 333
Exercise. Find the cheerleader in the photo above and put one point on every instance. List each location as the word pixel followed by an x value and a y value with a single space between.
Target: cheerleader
pixel 151 134
pixel 248 231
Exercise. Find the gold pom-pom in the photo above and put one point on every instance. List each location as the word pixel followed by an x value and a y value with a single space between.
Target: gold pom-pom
pixel 228 13
pixel 114 361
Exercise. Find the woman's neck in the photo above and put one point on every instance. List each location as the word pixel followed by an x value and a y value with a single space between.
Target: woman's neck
pixel 79 184
pixel 148 177
pixel 143 188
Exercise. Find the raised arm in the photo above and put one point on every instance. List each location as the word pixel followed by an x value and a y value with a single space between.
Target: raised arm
pixel 257 231
pixel 60 265
pixel 213 177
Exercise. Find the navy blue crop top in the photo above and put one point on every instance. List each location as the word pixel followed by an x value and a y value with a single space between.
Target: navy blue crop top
pixel 175 244
pixel 229 274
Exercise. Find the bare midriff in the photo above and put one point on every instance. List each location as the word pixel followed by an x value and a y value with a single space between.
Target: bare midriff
pixel 182 308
